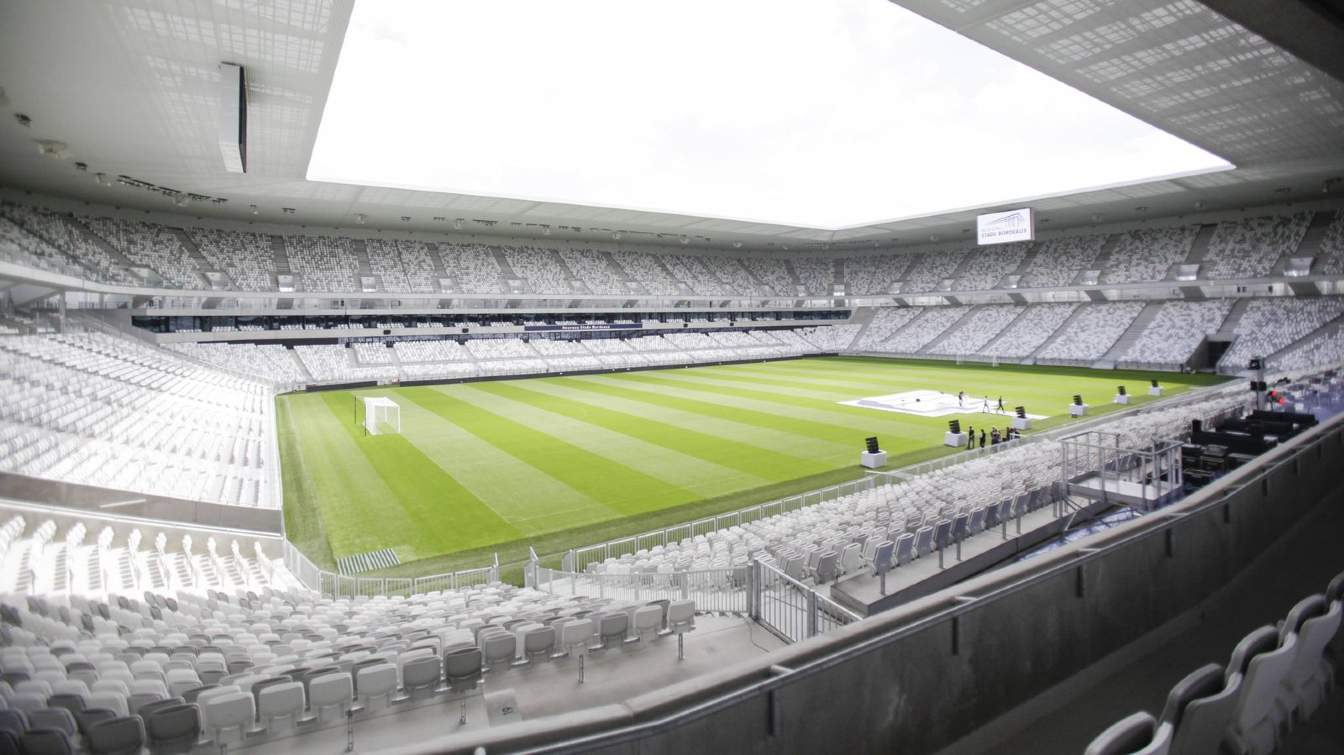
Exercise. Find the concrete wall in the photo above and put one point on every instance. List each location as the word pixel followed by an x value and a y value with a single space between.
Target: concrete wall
pixel 95 500
pixel 917 678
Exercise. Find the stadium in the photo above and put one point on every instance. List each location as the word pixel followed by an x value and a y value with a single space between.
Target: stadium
pixel 944 376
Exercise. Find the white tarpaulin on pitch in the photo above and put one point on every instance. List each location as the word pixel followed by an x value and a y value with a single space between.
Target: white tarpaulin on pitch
pixel 933 404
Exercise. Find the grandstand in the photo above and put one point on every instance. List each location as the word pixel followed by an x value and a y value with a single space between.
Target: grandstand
pixel 739 390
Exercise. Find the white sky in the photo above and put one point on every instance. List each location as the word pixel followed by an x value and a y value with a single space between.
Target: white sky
pixel 823 113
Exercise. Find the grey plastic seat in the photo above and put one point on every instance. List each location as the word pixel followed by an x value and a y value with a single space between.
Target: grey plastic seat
pixel 116 736
pixel 882 556
pixel 1202 682
pixel 499 650
pixel 47 742
pixel 540 643
pixel 905 549
pixel 1129 735
pixel 463 670
pixel 1308 680
pixel 942 534
pixel 978 519
pixel 613 627
pixel 421 673
pixel 961 528
pixel 1254 722
pixel 232 712
pixel 330 691
pixel 377 680
pixel 1206 719
pixel 53 718
pixel 279 701
pixel 923 542
pixel 85 719
pixel 647 622
pixel 828 567
pixel 173 729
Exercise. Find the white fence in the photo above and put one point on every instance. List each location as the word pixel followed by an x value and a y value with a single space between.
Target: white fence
pixel 716 590
pixel 791 610
pixel 579 559
pixel 333 585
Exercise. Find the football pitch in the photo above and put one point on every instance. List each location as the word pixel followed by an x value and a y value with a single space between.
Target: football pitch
pixel 556 462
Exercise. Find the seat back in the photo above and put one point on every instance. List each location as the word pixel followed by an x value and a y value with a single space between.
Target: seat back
pixel 462 668
pixel 851 559
pixel 1204 720
pixel 53 718
pixel 942 533
pixel 1316 633
pixel 1128 735
pixel 882 556
pixel 331 689
pixel 174 728
pixel 85 719
pixel 278 700
pixel 116 736
pixel 542 641
pixel 1264 674
pixel 905 549
pixel 923 541
pixel 960 527
pixel 828 567
pixel 1202 682
pixel 614 625
pixel 235 710
pixel 421 672
pixel 46 742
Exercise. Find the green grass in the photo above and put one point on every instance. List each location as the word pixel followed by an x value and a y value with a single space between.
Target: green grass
pixel 557 462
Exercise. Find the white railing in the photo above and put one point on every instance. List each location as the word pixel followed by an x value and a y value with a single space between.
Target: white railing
pixel 790 609
pixel 578 559
pixel 331 584
pixel 716 590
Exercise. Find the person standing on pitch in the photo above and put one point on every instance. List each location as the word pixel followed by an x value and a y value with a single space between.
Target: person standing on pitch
pixel 982 438
pixel 970 437
pixel 1001 411
pixel 961 399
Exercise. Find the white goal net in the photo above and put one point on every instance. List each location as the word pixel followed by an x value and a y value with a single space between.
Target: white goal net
pixel 381 416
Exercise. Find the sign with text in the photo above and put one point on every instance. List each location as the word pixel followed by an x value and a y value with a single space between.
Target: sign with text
pixel 1006 227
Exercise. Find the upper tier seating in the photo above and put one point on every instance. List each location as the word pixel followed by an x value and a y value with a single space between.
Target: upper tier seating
pixel 987 266
pixel 151 245
pixel 1268 325
pixel 929 270
pixel 1177 330
pixel 57 240
pixel 872 274
pixel 97 410
pixel 322 263
pixel 335 364
pixel 1330 258
pixel 473 269
pixel 1059 261
pixel 1148 254
pixel 1092 332
pixel 816 274
pixel 248 258
pixel 540 268
pixel 403 265
pixel 649 272
pixel 593 268
pixel 773 275
pixel 1250 248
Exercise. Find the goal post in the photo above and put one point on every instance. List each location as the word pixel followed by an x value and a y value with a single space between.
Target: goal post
pixel 382 415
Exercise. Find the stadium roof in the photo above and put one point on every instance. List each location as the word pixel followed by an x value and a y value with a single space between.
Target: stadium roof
pixel 130 89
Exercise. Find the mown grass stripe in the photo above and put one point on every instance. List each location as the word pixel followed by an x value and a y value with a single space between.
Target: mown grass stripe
pixel 620 487
pixel 697 474
pixel 844 433
pixel 750 466
pixel 509 485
